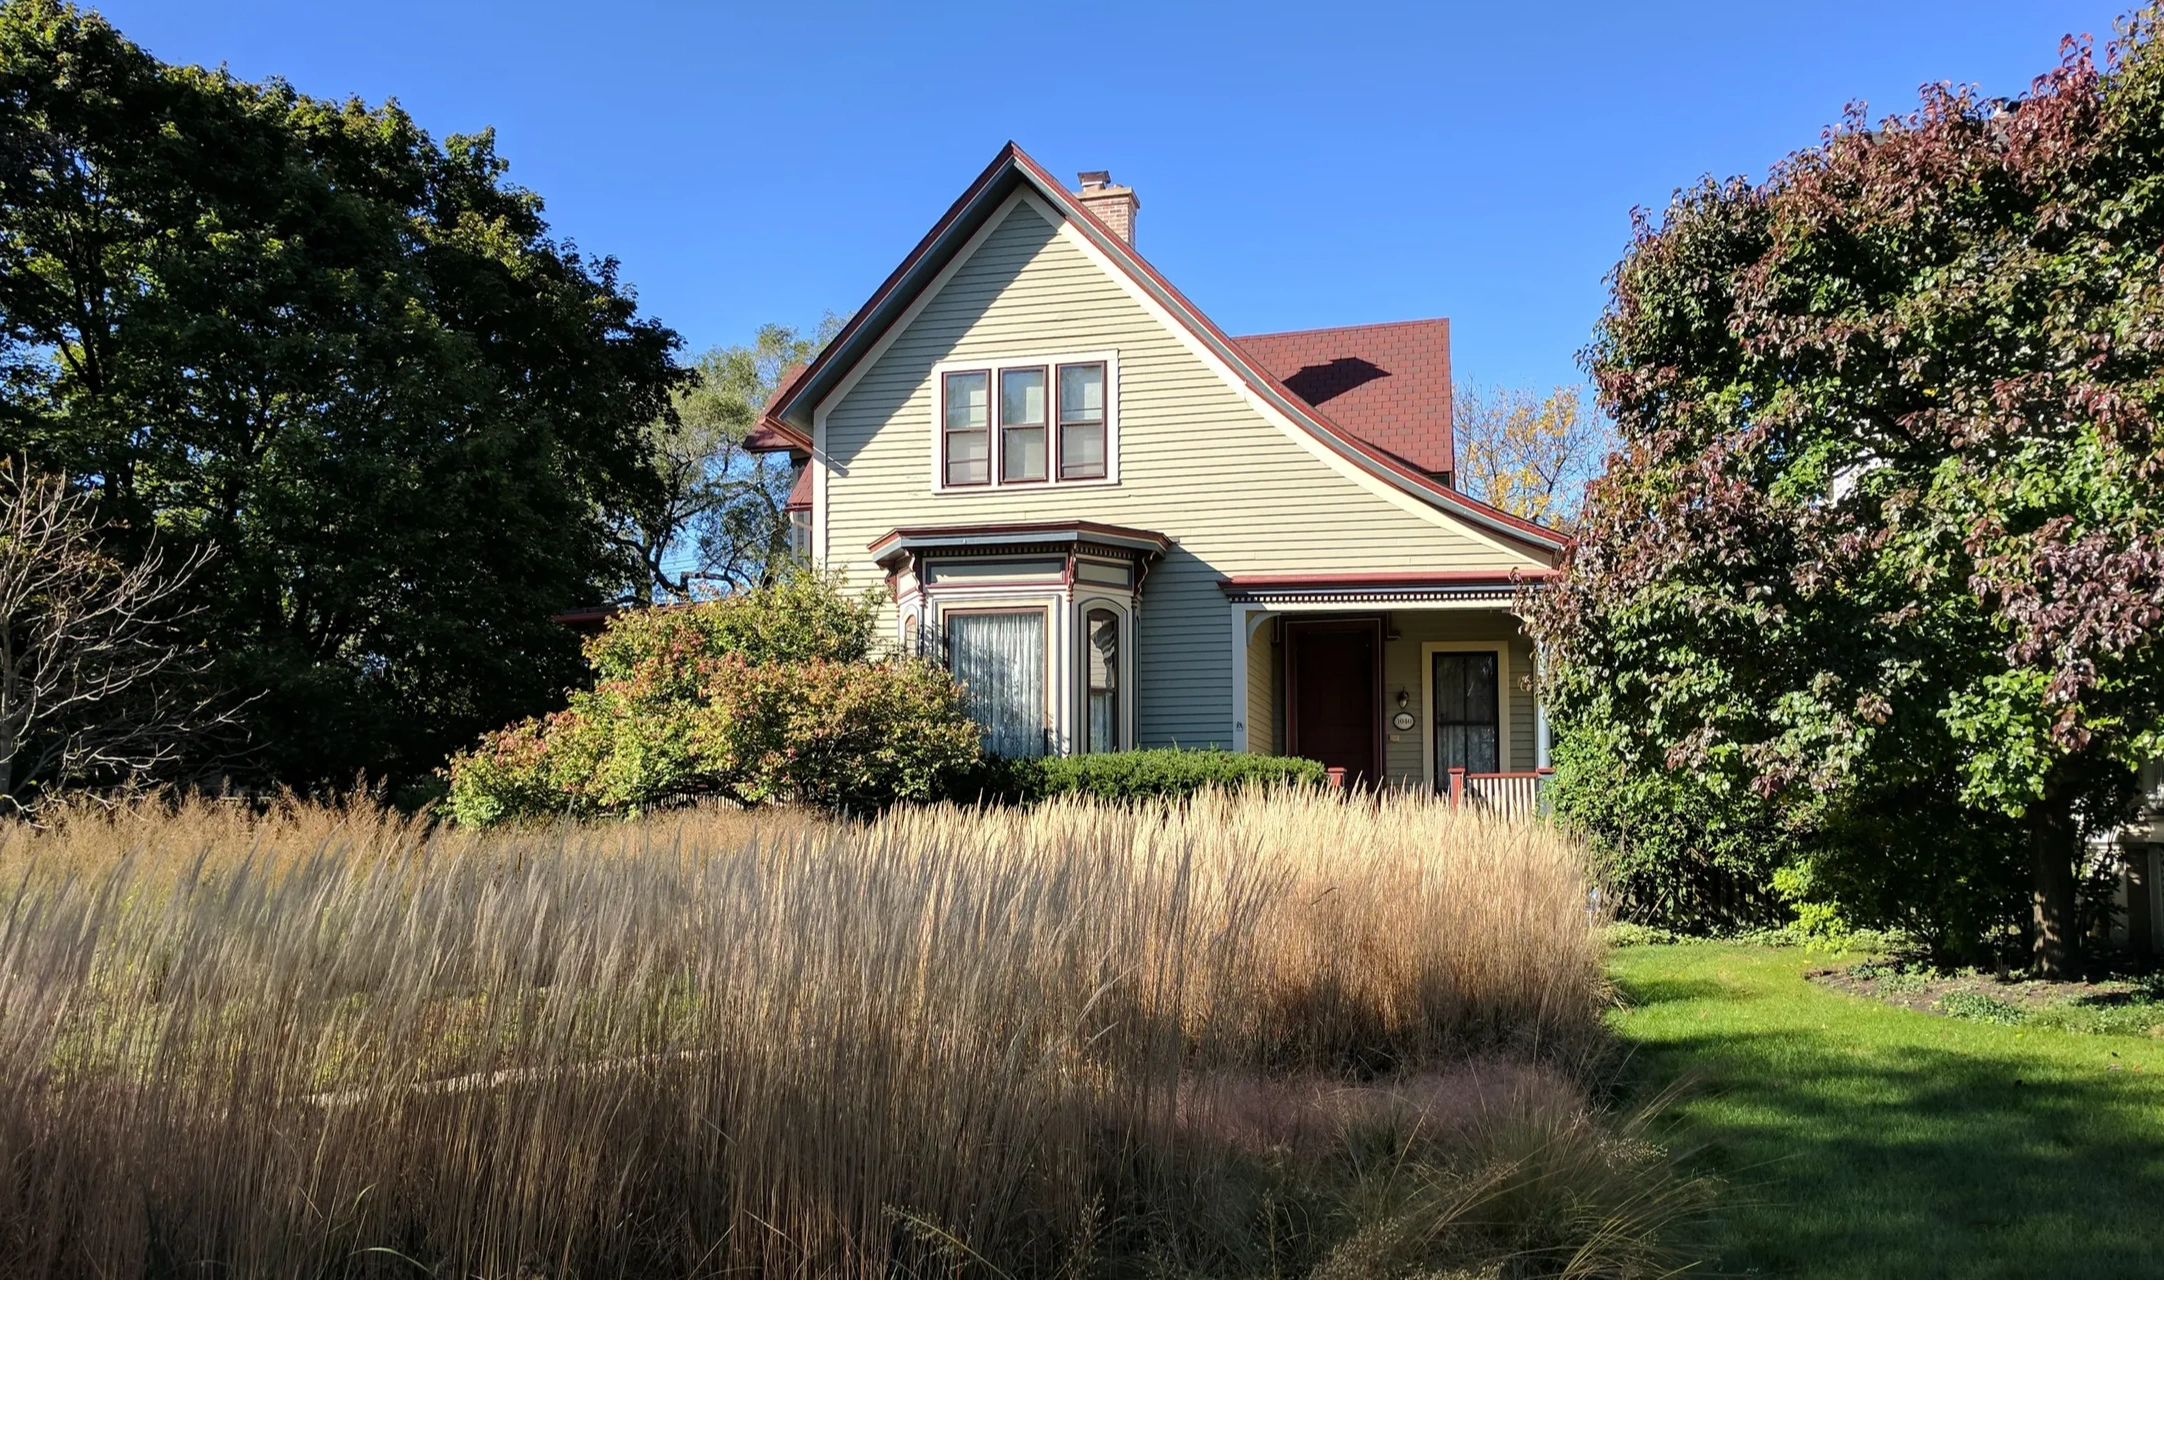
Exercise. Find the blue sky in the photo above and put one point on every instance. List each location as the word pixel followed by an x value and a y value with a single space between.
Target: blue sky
pixel 1297 166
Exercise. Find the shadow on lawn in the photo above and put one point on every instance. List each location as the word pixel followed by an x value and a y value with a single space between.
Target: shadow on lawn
pixel 1914 1159
pixel 1672 990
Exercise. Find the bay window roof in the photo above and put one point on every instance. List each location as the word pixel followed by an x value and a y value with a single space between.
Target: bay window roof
pixel 897 547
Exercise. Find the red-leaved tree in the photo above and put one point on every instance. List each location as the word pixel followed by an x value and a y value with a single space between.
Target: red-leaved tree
pixel 1880 572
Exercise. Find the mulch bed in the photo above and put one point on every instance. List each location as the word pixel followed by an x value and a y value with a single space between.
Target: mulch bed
pixel 1924 991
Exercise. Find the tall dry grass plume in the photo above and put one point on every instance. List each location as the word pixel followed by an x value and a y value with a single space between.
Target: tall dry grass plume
pixel 1072 1040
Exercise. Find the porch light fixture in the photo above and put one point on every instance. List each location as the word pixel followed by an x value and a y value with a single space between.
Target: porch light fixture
pixel 1405 699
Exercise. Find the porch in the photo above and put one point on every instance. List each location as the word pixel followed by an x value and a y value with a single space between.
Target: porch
pixel 1410 682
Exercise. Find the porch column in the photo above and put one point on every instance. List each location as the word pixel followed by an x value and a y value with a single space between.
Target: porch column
pixel 1243 618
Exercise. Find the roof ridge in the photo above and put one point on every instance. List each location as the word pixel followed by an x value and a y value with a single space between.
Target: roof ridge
pixel 1331 329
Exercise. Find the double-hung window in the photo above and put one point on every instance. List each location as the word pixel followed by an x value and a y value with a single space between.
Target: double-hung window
pixel 1082 421
pixel 1021 424
pixel 967 445
pixel 1027 422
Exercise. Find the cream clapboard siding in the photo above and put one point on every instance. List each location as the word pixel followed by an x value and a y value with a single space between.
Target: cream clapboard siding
pixel 1404 668
pixel 1236 494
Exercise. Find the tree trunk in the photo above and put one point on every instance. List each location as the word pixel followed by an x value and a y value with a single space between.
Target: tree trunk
pixel 2052 843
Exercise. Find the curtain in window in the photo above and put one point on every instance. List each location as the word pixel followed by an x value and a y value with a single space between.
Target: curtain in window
pixel 1000 659
pixel 1102 657
pixel 1467 732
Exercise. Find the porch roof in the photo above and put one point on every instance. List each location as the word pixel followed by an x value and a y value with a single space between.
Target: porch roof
pixel 1384 587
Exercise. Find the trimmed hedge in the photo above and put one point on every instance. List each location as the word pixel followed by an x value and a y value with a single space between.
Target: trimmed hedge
pixel 1145 775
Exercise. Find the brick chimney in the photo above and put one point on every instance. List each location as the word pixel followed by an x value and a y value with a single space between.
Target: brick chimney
pixel 1114 204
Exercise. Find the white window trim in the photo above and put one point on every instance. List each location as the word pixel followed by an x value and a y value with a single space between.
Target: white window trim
pixel 1428 651
pixel 1110 359
pixel 1084 607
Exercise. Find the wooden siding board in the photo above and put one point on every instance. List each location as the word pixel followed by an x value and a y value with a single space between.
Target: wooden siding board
pixel 1197 462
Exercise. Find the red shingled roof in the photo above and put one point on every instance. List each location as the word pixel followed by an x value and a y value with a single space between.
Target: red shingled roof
pixel 800 494
pixel 1387 384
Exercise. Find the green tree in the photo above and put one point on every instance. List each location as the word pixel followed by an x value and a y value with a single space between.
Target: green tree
pixel 1881 574
pixel 711 512
pixel 347 361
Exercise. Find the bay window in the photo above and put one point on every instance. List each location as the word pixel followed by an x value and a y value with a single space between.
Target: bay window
pixel 1101 681
pixel 998 655
pixel 1035 620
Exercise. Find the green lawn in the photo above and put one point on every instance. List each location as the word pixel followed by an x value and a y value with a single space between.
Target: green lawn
pixel 1861 1139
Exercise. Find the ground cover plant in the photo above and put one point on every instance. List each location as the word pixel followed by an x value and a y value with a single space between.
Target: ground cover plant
pixel 1252 1034
pixel 1862 1138
pixel 2103 1005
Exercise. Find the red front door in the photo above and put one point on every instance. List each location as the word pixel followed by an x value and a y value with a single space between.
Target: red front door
pixel 1333 709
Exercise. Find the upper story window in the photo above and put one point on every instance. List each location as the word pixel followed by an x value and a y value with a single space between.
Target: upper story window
pixel 1021 424
pixel 1082 421
pixel 968 448
pixel 1035 421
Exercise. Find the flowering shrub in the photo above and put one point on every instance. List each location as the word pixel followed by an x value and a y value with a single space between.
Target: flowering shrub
pixel 765 697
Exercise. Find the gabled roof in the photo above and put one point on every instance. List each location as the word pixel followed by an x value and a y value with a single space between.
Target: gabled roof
pixel 765 435
pixel 1388 384
pixel 787 422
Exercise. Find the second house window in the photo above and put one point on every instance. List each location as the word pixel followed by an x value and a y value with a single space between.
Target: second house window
pixel 1021 425
pixel 1027 422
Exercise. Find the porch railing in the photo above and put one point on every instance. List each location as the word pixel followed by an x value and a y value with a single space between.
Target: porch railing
pixel 1511 794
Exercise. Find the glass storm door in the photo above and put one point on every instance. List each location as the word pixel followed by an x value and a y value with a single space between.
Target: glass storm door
pixel 1467 732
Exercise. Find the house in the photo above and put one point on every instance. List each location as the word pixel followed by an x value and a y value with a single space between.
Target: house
pixel 1122 527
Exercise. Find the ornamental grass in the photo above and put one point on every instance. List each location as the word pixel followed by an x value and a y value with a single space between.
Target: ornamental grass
pixel 1082 1039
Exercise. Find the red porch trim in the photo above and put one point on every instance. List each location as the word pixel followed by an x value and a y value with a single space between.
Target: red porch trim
pixel 1368 580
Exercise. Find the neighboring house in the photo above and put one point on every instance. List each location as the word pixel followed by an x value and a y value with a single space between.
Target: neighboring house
pixel 2138 921
pixel 1122 527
